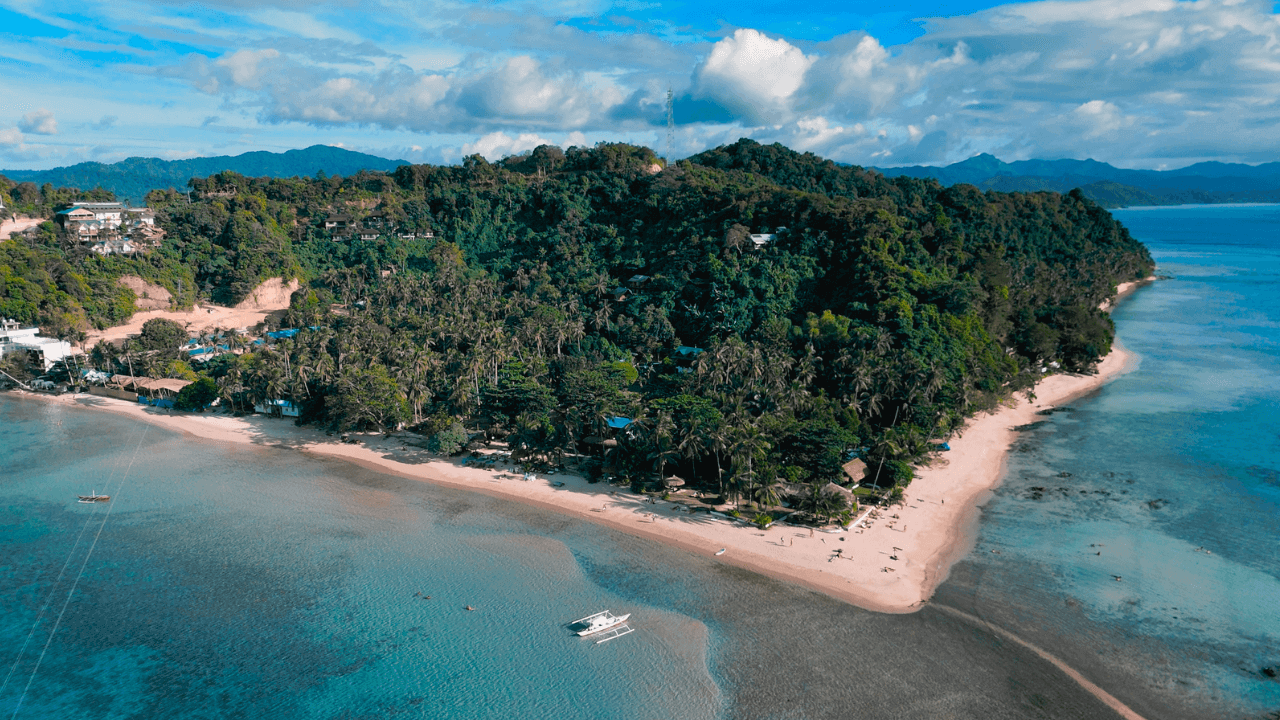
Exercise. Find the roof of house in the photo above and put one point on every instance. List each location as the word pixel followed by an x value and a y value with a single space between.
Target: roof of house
pixel 618 423
pixel 171 384
pixel 855 469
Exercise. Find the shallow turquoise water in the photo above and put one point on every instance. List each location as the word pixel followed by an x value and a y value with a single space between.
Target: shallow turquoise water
pixel 1168 478
pixel 258 583
pixel 248 582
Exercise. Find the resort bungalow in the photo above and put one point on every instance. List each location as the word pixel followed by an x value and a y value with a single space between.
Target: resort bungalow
pixel 277 408
pixel 117 386
pixel 855 471
pixel 149 391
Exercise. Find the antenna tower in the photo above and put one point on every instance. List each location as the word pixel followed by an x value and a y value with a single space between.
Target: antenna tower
pixel 671 123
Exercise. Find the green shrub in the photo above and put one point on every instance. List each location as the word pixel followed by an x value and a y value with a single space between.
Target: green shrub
pixel 197 395
pixel 449 440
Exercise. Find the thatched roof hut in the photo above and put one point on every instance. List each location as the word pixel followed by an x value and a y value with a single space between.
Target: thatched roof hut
pixel 855 470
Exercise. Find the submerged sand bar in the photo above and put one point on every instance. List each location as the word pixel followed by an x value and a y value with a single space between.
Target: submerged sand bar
pixel 933 528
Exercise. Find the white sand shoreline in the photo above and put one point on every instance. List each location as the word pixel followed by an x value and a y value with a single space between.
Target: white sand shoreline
pixel 933 529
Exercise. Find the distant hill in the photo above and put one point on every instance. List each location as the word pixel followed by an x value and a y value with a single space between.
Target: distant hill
pixel 134 177
pixel 1109 186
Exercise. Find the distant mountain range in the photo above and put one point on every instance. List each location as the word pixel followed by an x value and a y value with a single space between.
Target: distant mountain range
pixel 1109 186
pixel 134 177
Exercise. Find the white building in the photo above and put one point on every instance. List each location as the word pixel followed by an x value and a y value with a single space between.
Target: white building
pixel 15 338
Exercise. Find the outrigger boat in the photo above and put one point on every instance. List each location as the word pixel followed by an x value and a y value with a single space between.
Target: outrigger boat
pixel 604 622
pixel 93 497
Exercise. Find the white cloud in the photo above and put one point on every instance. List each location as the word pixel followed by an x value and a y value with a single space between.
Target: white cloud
pixel 10 137
pixel 497 145
pixel 39 122
pixel 1100 118
pixel 246 66
pixel 1139 82
pixel 751 74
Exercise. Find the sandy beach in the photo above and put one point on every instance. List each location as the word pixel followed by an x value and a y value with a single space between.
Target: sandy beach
pixel 890 562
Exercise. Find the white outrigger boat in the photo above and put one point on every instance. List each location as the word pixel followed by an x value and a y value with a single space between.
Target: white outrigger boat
pixel 93 497
pixel 610 625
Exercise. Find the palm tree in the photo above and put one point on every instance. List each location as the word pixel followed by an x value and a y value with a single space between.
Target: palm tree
pixel 663 450
pixel 765 492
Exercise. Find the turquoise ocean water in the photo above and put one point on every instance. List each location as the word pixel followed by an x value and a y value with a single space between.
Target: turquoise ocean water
pixel 1169 478
pixel 247 582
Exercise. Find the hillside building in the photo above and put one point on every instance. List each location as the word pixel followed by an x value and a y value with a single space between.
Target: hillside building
pixel 14 338
pixel 111 228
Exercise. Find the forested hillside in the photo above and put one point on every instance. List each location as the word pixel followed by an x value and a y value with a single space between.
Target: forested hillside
pixel 759 313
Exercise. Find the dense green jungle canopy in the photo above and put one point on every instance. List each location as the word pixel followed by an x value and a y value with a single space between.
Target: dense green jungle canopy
pixel 560 289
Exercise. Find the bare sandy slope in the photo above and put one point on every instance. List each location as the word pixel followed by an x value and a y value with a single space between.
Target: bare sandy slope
pixel 269 297
pixel 150 297
pixel 8 226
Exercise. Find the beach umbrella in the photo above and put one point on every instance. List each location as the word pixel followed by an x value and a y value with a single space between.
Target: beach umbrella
pixel 610 443
pixel 673 482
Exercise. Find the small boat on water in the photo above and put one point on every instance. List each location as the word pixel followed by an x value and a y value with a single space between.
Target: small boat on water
pixel 605 623
pixel 93 497
pixel 721 551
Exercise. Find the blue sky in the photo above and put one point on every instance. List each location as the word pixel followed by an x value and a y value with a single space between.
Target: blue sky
pixel 1137 83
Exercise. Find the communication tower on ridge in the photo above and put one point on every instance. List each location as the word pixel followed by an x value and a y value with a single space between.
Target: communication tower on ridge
pixel 671 123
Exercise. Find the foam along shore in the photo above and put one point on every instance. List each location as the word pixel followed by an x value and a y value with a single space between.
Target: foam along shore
pixel 891 563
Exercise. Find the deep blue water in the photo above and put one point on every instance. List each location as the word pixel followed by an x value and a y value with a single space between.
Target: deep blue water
pixel 1169 477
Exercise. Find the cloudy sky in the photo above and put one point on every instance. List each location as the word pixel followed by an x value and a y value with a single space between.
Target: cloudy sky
pixel 1137 83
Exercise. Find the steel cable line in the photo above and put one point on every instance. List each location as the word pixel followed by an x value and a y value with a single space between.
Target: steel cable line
pixel 79 575
pixel 54 587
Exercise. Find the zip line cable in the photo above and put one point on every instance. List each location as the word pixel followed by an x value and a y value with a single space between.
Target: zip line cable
pixel 75 584
pixel 54 587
